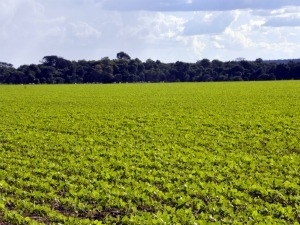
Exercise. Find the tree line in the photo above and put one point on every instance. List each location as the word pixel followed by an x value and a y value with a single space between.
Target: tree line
pixel 57 70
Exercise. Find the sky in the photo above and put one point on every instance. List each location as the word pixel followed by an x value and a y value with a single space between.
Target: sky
pixel 165 30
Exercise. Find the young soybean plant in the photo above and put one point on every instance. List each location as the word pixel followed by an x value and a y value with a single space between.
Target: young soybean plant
pixel 178 153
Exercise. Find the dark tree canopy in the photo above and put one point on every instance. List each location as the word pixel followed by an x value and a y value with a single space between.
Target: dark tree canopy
pixel 5 65
pixel 123 55
pixel 54 69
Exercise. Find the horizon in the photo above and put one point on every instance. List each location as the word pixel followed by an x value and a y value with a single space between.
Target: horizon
pixel 144 61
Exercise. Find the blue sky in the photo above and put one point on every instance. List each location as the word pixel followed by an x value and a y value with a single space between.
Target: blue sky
pixel 167 30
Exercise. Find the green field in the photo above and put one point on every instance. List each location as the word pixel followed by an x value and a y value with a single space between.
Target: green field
pixel 181 153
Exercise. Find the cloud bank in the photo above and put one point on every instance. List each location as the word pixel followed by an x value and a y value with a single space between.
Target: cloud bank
pixel 170 30
pixel 196 5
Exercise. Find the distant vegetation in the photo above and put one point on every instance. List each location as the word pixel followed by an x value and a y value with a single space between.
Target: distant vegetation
pixel 56 70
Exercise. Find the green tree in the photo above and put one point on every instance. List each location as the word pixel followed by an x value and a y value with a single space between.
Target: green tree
pixel 205 63
pixel 123 56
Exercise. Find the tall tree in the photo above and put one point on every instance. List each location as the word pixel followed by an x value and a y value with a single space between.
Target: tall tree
pixel 123 55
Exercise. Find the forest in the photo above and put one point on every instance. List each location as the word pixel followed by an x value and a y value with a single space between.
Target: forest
pixel 57 70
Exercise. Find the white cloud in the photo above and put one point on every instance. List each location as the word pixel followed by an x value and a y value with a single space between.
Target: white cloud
pixel 283 21
pixel 84 30
pixel 238 37
pixel 286 11
pixel 168 30
pixel 196 5
pixel 198 46
pixel 46 22
pixel 218 45
pixel 158 26
pixel 208 23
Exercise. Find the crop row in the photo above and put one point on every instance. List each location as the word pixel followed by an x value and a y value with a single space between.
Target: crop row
pixel 161 153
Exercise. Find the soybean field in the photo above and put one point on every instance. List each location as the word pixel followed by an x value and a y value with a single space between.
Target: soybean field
pixel 180 153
